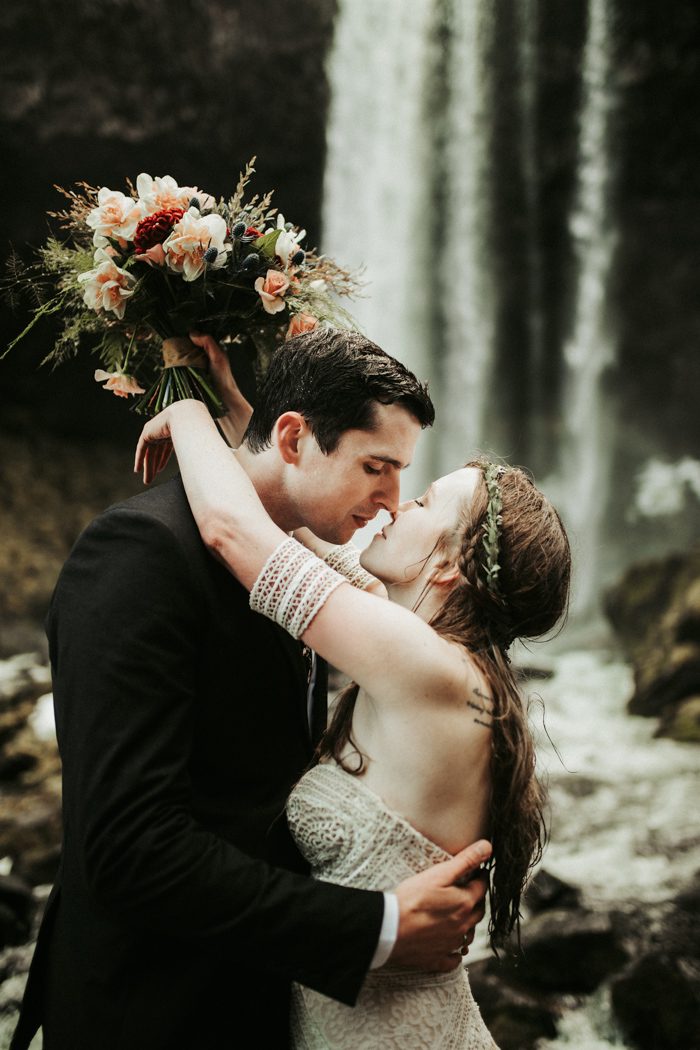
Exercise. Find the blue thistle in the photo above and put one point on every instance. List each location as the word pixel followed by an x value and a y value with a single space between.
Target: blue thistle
pixel 251 261
pixel 239 229
pixel 210 255
pixel 298 257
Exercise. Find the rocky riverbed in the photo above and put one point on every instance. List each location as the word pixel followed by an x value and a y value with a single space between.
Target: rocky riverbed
pixel 612 925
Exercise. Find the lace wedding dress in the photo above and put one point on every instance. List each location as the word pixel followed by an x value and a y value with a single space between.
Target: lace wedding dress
pixel 350 837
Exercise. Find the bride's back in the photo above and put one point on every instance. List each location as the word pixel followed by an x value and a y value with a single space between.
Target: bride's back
pixel 429 760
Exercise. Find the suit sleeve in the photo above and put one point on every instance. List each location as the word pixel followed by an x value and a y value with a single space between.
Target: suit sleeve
pixel 125 632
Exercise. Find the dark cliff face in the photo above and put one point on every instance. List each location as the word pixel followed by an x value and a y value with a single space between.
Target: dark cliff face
pixel 102 91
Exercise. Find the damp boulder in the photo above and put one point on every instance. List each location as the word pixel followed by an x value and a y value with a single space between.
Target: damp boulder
pixel 655 613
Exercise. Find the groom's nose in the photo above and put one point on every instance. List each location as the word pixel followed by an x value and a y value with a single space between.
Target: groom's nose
pixel 387 495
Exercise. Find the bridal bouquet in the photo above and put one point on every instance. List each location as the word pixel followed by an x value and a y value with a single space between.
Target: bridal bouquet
pixel 136 271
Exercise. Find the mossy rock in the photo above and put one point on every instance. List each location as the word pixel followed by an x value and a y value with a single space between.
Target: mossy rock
pixel 682 722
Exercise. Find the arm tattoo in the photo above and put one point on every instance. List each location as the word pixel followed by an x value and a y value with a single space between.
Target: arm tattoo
pixel 483 709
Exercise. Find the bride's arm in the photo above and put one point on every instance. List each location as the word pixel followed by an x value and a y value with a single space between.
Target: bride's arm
pixel 385 648
pixel 344 559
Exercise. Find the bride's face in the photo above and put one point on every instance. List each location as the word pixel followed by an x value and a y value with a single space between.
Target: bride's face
pixel 399 553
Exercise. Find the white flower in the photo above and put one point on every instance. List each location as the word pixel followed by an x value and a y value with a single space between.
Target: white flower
pixel 99 241
pixel 107 287
pixel 288 241
pixel 116 215
pixel 190 238
pixel 317 285
pixel 164 192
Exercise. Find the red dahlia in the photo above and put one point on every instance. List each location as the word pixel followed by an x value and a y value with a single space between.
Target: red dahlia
pixel 155 228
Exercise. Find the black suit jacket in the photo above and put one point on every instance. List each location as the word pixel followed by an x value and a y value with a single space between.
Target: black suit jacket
pixel 181 721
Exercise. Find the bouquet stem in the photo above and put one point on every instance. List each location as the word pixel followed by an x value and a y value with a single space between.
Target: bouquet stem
pixel 182 376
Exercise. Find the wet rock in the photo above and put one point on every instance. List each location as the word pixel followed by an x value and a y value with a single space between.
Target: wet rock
pixel 578 786
pixel 681 721
pixel 688 900
pixel 16 910
pixel 567 951
pixel 657 1002
pixel 11 992
pixel 516 1018
pixel 30 834
pixel 534 674
pixel 546 891
pixel 23 678
pixel 12 765
pixel 656 999
pixel 655 612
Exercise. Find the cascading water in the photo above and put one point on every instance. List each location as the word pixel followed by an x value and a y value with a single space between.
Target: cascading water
pixel 415 218
pixel 528 73
pixel 581 487
pixel 466 344
pixel 377 181
pixel 408 195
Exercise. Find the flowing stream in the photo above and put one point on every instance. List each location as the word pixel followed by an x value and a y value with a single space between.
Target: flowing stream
pixel 623 823
pixel 623 820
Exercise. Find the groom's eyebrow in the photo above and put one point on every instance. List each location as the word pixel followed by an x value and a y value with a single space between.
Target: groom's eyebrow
pixel 394 462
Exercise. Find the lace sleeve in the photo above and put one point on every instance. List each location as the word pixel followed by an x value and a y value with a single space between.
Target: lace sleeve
pixel 292 586
pixel 346 560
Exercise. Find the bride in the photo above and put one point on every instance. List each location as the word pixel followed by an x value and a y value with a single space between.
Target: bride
pixel 430 748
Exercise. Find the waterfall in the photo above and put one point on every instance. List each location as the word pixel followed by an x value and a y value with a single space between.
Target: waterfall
pixel 468 294
pixel 584 475
pixel 376 191
pixel 413 214
pixel 528 75
pixel 410 194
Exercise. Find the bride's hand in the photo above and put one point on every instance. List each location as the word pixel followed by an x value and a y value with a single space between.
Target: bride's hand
pixel 238 409
pixel 154 446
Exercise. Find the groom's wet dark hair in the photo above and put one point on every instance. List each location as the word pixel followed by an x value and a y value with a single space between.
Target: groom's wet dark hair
pixel 333 378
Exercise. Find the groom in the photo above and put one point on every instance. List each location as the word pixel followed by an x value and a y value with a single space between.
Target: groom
pixel 181 911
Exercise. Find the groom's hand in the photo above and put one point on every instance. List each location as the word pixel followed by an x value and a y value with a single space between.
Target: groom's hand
pixel 437 916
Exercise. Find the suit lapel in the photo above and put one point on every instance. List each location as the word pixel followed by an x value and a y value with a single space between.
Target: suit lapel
pixel 319 711
pixel 291 652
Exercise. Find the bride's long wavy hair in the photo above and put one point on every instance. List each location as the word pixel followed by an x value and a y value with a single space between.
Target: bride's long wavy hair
pixel 532 597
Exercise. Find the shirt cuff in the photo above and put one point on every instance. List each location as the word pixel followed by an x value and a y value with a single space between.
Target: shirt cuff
pixel 389 931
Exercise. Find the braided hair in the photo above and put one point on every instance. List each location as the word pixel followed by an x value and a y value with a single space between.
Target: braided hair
pixel 531 596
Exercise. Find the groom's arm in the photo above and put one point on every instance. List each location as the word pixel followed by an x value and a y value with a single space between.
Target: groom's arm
pixel 127 631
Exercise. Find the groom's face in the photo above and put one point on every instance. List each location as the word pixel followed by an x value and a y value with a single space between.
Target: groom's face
pixel 338 493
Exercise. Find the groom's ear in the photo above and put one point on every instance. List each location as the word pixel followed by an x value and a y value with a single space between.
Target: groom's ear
pixel 289 430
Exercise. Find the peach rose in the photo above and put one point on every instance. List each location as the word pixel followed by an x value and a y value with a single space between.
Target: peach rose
pixel 271 288
pixel 301 323
pixel 118 382
pixel 154 256
pixel 107 287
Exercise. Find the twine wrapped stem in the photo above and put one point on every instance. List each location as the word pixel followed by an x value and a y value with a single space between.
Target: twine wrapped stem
pixel 183 375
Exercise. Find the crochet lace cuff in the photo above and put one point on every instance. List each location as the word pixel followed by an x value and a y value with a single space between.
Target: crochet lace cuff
pixel 346 560
pixel 292 586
